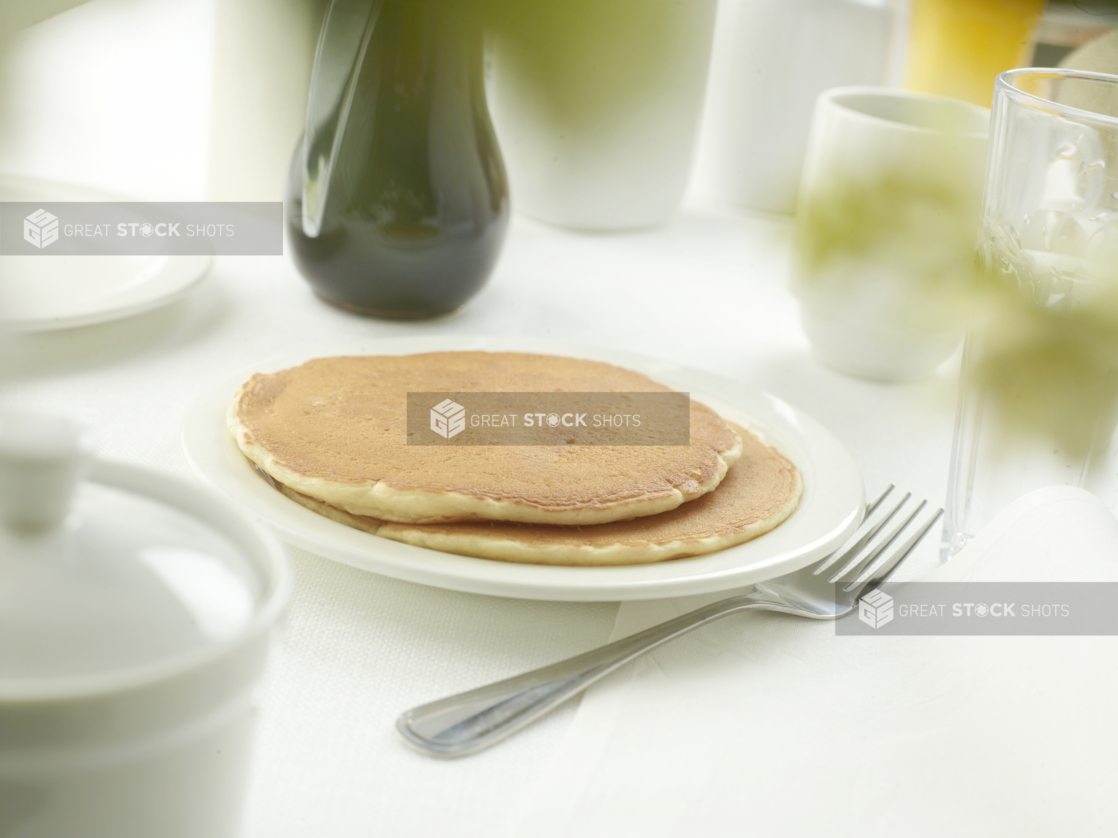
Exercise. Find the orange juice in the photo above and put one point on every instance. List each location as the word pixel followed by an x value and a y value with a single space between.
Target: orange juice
pixel 958 47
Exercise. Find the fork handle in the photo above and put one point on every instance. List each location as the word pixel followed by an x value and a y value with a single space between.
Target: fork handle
pixel 472 721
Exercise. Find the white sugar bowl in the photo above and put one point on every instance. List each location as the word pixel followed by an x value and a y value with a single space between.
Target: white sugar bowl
pixel 135 617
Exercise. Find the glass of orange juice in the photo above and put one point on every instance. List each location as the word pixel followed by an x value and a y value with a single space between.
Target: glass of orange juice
pixel 958 47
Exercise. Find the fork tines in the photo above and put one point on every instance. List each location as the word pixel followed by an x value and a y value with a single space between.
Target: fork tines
pixel 872 566
pixel 870 532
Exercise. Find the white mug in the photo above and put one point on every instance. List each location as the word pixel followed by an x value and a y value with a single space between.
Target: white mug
pixel 885 229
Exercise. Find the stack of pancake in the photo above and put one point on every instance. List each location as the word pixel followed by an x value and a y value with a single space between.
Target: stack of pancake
pixel 332 434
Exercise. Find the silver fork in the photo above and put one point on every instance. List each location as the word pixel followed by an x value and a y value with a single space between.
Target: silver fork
pixel 472 721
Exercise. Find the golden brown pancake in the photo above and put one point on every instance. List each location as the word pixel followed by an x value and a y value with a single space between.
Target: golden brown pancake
pixel 759 492
pixel 335 429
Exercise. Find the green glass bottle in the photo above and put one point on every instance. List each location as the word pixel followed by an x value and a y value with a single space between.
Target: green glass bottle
pixel 397 201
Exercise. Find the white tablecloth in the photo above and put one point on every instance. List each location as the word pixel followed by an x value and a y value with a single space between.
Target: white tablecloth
pixel 764 724
pixel 708 290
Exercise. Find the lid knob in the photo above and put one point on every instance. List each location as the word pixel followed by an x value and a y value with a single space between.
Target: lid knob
pixel 42 459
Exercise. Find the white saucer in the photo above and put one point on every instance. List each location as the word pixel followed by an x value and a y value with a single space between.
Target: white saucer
pixel 831 508
pixel 40 293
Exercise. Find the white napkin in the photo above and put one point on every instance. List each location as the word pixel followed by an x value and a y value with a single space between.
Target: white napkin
pixel 770 725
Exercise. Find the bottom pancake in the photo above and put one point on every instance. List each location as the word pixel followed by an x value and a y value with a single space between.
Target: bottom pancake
pixel 758 493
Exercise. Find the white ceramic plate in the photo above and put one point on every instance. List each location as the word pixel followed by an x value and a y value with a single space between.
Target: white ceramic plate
pixel 40 293
pixel 831 508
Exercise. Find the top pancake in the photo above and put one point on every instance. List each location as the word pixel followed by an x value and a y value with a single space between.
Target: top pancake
pixel 335 429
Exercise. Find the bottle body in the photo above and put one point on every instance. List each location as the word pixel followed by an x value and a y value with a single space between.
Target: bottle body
pixel 417 204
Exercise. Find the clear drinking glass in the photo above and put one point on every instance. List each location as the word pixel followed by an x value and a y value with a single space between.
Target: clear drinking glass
pixel 1040 365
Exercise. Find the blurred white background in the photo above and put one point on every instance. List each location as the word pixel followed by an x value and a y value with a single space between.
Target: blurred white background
pixel 193 99
pixel 112 94
pixel 158 99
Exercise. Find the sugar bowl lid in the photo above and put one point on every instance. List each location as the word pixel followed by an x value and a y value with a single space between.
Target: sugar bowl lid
pixel 108 570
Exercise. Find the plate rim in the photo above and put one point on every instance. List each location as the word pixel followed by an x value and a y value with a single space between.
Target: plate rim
pixel 177 274
pixel 213 456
